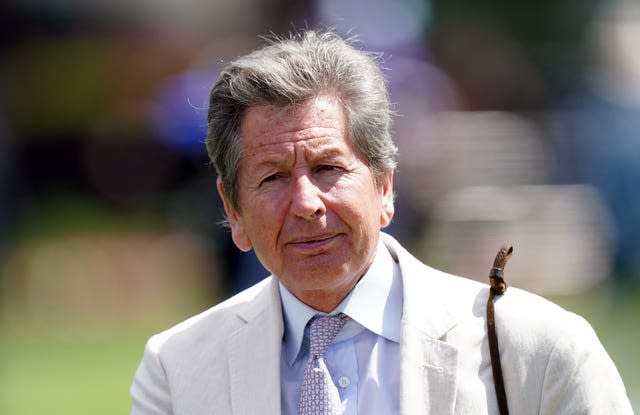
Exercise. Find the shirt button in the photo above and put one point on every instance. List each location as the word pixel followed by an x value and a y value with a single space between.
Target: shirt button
pixel 344 381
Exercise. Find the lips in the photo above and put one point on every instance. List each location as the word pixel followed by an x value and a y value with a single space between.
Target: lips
pixel 313 243
pixel 308 239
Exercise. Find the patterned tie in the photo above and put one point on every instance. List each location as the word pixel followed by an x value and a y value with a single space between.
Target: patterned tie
pixel 318 394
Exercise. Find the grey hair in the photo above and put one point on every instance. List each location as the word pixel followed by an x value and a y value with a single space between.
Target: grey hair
pixel 289 71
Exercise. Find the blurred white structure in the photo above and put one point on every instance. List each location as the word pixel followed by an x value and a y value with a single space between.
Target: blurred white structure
pixel 558 234
pixel 455 150
pixel 482 179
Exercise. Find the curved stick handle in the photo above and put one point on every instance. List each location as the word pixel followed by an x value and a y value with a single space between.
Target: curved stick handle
pixel 496 275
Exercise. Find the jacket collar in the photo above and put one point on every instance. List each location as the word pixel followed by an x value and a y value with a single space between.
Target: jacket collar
pixel 426 307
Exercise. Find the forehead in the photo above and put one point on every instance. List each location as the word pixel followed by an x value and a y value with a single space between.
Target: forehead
pixel 318 118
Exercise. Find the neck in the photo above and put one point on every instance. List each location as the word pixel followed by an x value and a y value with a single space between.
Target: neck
pixel 324 301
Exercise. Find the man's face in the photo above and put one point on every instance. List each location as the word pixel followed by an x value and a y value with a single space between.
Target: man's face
pixel 308 202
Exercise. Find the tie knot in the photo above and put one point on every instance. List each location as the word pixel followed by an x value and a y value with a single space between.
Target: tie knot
pixel 323 330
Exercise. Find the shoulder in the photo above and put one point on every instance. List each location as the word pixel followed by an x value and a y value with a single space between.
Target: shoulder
pixel 532 324
pixel 529 322
pixel 543 344
pixel 180 365
pixel 213 325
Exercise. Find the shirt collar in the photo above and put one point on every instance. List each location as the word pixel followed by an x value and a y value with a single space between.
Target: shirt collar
pixel 296 315
pixel 375 303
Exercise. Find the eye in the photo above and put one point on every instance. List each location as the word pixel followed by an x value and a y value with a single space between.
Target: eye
pixel 271 178
pixel 328 167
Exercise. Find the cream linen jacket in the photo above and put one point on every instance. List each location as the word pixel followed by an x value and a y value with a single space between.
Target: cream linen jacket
pixel 226 359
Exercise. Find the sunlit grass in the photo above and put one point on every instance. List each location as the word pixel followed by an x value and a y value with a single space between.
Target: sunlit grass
pixel 58 371
pixel 68 370
pixel 75 375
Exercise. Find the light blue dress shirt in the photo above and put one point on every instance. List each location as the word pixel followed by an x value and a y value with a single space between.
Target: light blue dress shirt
pixel 364 359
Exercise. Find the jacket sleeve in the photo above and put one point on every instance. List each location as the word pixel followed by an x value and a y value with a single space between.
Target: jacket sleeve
pixel 580 377
pixel 150 390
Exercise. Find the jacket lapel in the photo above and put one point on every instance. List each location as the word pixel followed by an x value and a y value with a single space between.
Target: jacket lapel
pixel 428 364
pixel 428 373
pixel 254 355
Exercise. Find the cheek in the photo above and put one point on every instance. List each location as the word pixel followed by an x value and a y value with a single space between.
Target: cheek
pixel 357 202
pixel 267 217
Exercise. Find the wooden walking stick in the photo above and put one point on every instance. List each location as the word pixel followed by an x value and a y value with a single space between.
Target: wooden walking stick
pixel 498 287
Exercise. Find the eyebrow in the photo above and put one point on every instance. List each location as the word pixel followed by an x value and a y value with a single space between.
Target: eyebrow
pixel 329 153
pixel 279 160
pixel 271 163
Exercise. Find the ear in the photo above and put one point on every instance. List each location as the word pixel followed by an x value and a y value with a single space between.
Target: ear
pixel 386 200
pixel 238 233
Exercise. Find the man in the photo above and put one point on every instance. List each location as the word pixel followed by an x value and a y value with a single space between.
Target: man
pixel 299 136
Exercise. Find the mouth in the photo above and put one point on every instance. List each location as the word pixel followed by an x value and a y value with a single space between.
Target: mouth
pixel 313 244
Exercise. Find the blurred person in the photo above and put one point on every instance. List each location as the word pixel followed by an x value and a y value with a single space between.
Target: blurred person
pixel 349 321
pixel 597 139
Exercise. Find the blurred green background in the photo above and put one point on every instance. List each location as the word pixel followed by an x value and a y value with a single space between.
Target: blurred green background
pixel 517 121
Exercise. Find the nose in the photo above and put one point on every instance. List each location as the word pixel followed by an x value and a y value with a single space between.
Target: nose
pixel 306 200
